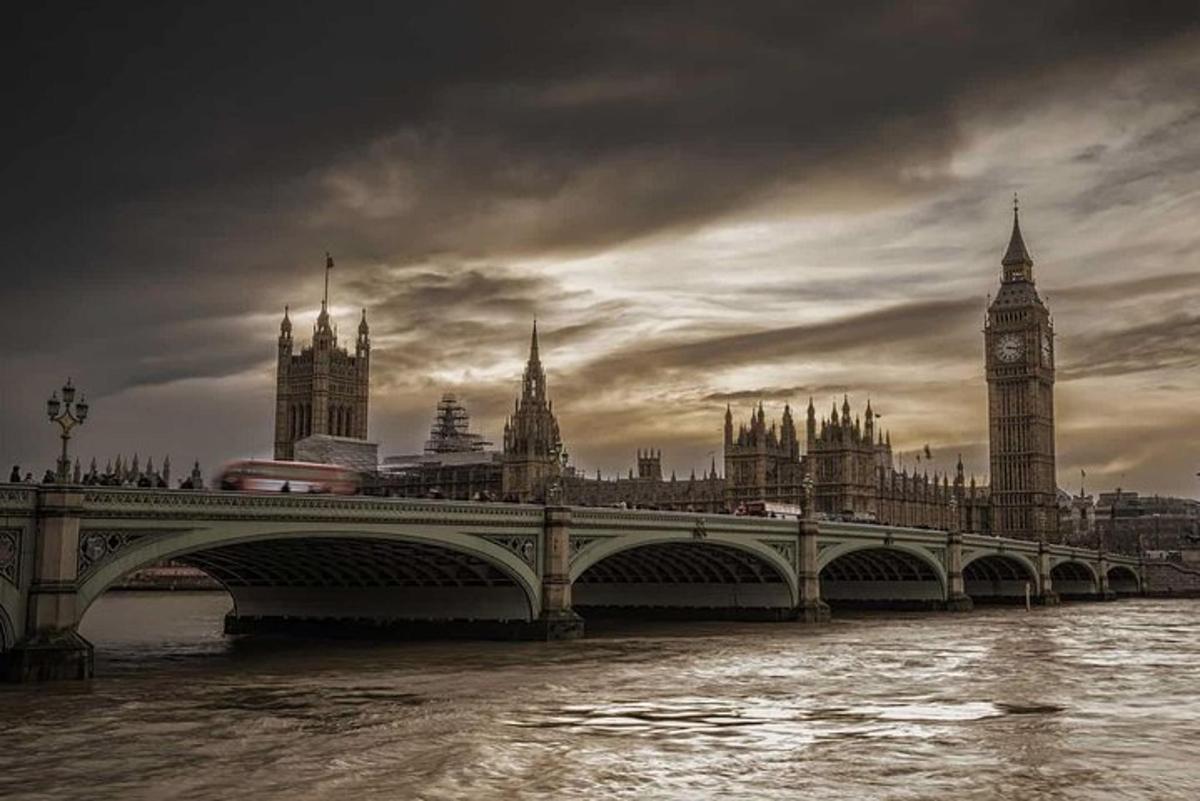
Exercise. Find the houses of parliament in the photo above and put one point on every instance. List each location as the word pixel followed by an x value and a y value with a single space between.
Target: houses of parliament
pixel 323 391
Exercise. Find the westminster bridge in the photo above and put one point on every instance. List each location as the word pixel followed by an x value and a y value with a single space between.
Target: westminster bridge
pixel 337 564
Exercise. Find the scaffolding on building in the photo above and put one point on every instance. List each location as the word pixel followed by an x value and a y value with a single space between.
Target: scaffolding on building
pixel 451 429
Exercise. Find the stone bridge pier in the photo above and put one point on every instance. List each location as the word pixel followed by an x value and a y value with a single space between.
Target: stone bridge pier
pixel 45 643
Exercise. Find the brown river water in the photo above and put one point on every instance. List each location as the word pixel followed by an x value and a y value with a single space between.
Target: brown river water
pixel 1087 701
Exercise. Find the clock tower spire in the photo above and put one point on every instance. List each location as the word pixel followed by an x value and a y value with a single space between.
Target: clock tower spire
pixel 1019 341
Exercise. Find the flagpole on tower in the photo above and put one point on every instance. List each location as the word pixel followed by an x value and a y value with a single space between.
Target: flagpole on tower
pixel 328 267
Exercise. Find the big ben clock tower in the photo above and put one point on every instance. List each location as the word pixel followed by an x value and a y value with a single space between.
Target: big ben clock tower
pixel 1019 339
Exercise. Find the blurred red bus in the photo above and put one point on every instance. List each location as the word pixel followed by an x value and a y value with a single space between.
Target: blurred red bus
pixel 267 475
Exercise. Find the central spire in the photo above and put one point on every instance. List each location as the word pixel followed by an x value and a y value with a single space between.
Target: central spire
pixel 534 389
pixel 1018 266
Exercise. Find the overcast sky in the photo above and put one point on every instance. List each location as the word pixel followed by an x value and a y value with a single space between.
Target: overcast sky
pixel 701 205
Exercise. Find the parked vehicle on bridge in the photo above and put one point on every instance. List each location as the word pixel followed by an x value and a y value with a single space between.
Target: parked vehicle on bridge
pixel 267 475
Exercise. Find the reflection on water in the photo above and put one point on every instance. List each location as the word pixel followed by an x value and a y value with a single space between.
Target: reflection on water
pixel 1089 701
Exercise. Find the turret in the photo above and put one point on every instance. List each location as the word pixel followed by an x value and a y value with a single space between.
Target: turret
pixel 728 426
pixel 789 440
pixel 363 344
pixel 285 331
pixel 811 426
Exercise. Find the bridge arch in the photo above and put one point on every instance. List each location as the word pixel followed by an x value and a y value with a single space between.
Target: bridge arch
pixel 1124 580
pixel 1073 578
pixel 374 573
pixel 665 575
pixel 871 575
pixel 993 577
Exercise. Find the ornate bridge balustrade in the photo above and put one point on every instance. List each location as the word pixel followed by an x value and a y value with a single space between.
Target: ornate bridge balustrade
pixel 338 565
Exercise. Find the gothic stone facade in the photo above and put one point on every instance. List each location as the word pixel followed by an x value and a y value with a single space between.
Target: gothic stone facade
pixel 762 462
pixel 648 489
pixel 323 389
pixel 532 444
pixel 851 465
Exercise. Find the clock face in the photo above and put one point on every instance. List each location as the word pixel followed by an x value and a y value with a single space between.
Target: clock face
pixel 1009 348
pixel 1047 348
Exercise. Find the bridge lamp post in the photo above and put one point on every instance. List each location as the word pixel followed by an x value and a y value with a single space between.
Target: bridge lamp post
pixel 560 456
pixel 68 413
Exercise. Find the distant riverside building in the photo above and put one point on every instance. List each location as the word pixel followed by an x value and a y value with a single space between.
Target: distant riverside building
pixel 323 389
pixel 1127 522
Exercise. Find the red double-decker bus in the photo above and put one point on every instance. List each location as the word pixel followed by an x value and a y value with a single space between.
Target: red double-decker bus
pixel 266 475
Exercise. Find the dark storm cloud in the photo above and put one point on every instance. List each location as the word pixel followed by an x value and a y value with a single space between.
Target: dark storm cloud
pixel 493 128
pixel 174 174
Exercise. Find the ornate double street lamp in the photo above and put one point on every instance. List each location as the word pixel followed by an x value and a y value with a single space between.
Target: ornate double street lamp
pixel 68 413
pixel 558 490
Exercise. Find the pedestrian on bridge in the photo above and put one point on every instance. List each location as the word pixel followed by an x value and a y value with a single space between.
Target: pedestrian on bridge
pixel 15 476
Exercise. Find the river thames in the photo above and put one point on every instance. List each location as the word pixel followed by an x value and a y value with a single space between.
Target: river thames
pixel 1087 701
